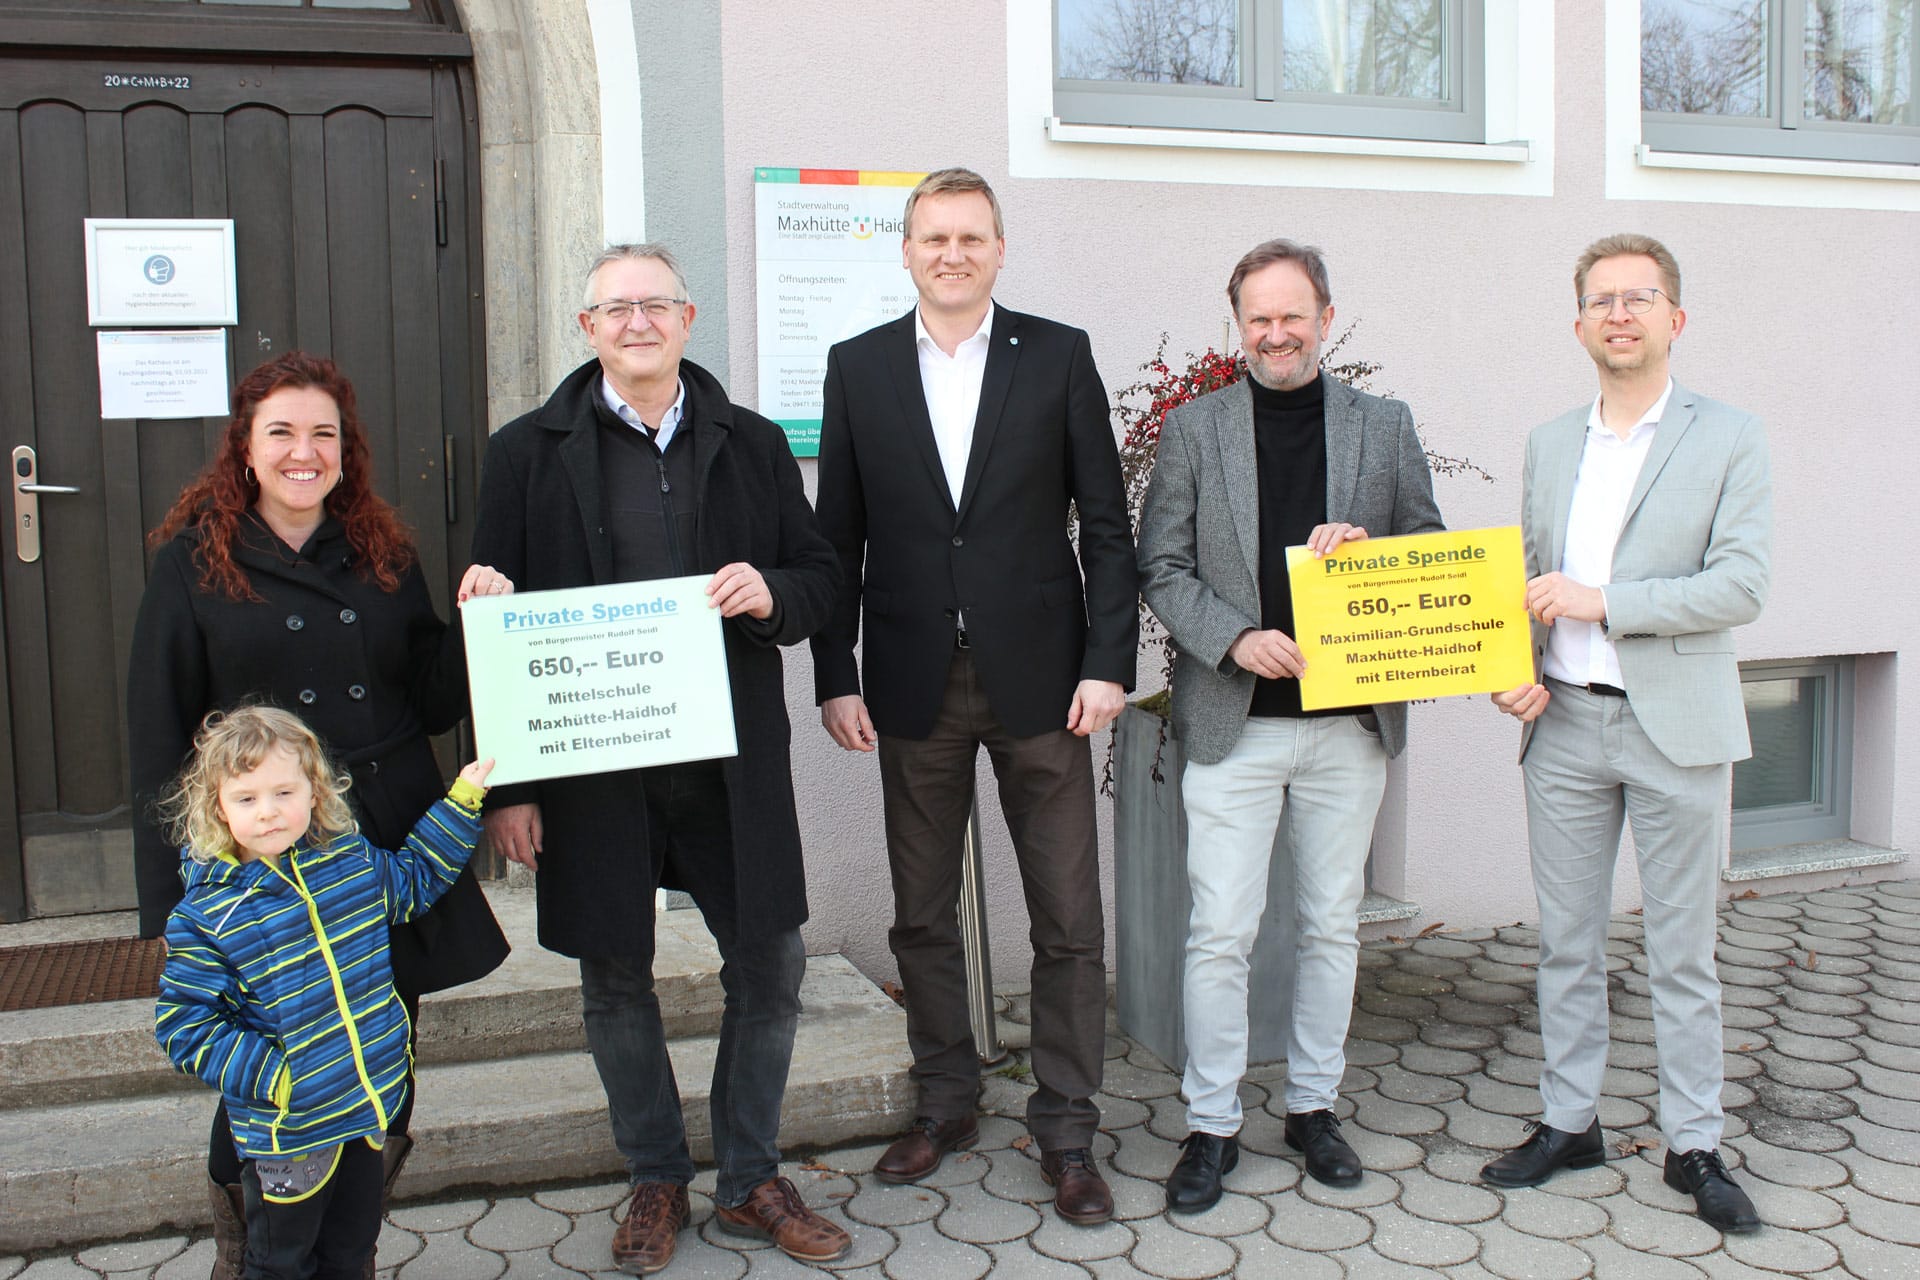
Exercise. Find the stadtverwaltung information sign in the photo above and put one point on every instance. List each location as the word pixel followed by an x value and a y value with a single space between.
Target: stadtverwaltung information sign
pixel 829 267
pixel 1429 615
pixel 594 679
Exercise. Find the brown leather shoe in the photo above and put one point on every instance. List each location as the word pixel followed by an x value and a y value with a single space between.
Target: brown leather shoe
pixel 1080 1195
pixel 918 1153
pixel 774 1211
pixel 643 1242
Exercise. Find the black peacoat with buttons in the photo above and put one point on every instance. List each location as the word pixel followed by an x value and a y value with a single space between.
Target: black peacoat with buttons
pixel 373 672
pixel 541 523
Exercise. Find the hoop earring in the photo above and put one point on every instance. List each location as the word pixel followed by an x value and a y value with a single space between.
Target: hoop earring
pixel 250 478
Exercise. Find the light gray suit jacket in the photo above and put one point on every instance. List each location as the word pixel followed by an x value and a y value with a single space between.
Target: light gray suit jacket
pixel 1691 564
pixel 1200 540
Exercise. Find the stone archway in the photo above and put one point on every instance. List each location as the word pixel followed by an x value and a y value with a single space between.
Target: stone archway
pixel 540 187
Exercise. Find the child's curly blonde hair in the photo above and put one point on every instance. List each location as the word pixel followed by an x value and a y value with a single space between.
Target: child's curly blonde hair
pixel 234 742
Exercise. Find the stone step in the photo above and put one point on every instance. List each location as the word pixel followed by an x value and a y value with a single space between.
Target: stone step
pixel 127 1167
pixel 530 1004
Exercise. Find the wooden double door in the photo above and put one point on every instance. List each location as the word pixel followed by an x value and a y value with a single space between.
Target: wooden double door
pixel 354 193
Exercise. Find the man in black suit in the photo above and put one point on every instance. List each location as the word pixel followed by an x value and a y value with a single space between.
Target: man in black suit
pixel 952 442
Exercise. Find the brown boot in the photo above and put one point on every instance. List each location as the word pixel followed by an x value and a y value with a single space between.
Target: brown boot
pixel 919 1151
pixel 229 1230
pixel 1081 1195
pixel 392 1157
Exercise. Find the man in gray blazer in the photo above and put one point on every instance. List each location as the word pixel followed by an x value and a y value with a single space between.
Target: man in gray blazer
pixel 1284 457
pixel 1647 519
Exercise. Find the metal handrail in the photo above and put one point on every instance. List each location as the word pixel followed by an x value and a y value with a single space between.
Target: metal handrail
pixel 973 941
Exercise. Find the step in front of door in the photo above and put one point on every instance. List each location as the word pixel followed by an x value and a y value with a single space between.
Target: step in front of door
pixel 130 1167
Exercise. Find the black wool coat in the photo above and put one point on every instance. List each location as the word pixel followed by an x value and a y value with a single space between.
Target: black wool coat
pixel 541 523
pixel 372 672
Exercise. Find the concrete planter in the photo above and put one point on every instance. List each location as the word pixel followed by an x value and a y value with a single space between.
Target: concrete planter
pixel 1152 903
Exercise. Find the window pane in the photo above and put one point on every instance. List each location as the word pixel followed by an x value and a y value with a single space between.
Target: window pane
pixel 1379 48
pixel 1706 57
pixel 1784 717
pixel 1151 41
pixel 1860 61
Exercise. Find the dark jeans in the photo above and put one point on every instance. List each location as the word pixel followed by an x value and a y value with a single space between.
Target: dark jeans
pixel 329 1235
pixel 1046 792
pixel 691 833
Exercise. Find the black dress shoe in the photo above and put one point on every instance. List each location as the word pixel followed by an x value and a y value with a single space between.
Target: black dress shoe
pixel 1329 1158
pixel 1194 1183
pixel 1544 1152
pixel 1701 1175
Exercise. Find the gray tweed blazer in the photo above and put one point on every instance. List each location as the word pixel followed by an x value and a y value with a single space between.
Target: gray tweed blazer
pixel 1200 540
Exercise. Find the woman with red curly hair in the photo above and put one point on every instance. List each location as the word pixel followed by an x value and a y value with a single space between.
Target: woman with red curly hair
pixel 282 577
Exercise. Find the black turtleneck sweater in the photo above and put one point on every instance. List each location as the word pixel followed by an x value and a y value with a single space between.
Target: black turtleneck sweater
pixel 1290 446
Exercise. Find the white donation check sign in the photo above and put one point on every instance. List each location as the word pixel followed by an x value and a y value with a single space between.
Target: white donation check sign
pixel 594 679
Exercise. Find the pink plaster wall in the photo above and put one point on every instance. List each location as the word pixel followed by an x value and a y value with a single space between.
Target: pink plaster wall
pixel 1808 316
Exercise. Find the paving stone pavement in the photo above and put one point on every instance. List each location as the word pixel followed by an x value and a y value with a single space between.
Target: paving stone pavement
pixel 1823 1063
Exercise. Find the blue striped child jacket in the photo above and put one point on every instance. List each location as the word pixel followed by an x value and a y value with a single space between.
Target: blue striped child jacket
pixel 278 987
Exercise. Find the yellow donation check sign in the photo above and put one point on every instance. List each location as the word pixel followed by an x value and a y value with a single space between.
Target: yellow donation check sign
pixel 1424 616
pixel 594 679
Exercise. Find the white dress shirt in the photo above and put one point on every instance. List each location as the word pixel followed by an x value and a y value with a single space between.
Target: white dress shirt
pixel 951 384
pixel 1580 652
pixel 669 421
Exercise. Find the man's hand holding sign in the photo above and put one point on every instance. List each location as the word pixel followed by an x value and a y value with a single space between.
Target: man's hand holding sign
pixel 594 679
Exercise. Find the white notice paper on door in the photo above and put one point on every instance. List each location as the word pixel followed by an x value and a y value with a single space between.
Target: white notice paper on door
pixel 163 373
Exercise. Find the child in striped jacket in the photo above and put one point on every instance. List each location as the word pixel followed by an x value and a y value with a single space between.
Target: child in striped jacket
pixel 278 987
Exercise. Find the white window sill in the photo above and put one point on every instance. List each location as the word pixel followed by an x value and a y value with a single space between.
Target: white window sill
pixel 1059 130
pixel 1378 908
pixel 1803 859
pixel 1782 165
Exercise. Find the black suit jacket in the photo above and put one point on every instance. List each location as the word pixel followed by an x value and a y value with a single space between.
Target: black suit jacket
pixel 911 560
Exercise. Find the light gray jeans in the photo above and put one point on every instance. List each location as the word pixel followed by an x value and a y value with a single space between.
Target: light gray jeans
pixel 1590 767
pixel 1324 778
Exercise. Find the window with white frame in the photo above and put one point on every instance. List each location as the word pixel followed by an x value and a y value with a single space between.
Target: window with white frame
pixel 1343 68
pixel 1812 79
pixel 1797 786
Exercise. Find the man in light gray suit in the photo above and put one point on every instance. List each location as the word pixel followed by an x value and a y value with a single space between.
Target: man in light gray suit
pixel 1282 458
pixel 1647 520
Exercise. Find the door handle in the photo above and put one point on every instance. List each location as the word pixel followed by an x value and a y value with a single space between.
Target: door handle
pixel 26 502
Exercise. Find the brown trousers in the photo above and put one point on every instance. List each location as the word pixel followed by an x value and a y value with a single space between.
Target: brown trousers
pixel 1046 792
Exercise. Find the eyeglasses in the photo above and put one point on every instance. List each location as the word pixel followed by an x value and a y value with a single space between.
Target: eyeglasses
pixel 1598 306
pixel 620 310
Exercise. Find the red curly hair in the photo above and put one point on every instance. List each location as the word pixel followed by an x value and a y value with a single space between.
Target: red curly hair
pixel 215 502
